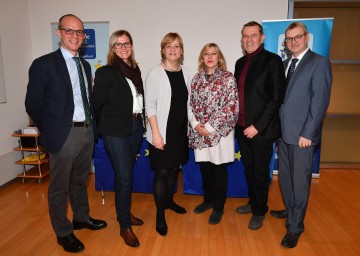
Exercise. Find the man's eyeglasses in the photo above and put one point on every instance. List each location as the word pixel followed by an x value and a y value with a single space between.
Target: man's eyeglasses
pixel 70 31
pixel 295 38
pixel 121 45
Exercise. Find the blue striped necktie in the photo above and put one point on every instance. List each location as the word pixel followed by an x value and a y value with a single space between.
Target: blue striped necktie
pixel 290 71
pixel 83 92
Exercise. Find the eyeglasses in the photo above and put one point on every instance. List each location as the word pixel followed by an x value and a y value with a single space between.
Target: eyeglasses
pixel 70 31
pixel 295 38
pixel 121 45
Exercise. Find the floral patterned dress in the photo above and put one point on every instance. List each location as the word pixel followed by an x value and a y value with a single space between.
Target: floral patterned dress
pixel 213 102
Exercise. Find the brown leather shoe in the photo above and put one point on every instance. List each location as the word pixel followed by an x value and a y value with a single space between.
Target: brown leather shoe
pixel 129 237
pixel 136 221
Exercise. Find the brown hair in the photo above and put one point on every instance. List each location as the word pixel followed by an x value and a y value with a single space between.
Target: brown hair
pixel 295 25
pixel 253 23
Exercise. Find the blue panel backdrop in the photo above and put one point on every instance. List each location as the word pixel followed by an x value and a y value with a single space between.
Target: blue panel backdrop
pixel 143 175
pixel 104 175
pixel 192 181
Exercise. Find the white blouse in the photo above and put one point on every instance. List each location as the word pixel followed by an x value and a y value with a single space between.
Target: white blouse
pixel 137 98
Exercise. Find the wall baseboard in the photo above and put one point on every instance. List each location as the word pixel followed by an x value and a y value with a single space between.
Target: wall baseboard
pixel 340 165
pixel 9 170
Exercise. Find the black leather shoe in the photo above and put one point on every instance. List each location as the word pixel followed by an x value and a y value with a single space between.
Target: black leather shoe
pixel 203 207
pixel 280 214
pixel 290 240
pixel 161 227
pixel 136 221
pixel 215 217
pixel 91 223
pixel 70 243
pixel 244 209
pixel 256 222
pixel 176 208
pixel 129 237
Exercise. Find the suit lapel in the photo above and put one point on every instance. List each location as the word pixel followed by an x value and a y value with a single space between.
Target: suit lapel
pixel 61 64
pixel 286 62
pixel 299 69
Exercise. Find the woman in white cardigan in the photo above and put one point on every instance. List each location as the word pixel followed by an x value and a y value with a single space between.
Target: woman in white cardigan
pixel 166 95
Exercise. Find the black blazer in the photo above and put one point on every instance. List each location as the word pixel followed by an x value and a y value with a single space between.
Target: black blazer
pixel 113 102
pixel 49 99
pixel 264 92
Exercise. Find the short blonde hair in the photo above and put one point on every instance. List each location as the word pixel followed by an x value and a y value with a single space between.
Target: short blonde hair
pixel 221 61
pixel 168 39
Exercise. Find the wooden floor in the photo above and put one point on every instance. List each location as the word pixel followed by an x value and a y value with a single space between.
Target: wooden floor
pixel 332 223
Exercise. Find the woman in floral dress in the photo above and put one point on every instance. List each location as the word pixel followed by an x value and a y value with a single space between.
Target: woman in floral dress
pixel 213 112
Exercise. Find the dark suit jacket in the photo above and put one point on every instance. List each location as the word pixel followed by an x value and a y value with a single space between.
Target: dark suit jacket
pixel 306 99
pixel 49 99
pixel 113 102
pixel 263 92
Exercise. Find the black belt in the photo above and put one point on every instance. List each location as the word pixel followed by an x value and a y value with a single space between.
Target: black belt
pixel 81 124
pixel 136 116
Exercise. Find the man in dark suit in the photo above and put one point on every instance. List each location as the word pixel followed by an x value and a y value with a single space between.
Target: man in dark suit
pixel 58 102
pixel 260 77
pixel 309 79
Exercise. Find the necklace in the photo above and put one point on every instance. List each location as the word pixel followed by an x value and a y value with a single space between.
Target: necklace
pixel 172 69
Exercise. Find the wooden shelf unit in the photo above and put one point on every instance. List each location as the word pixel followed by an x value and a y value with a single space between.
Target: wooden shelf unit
pixel 41 167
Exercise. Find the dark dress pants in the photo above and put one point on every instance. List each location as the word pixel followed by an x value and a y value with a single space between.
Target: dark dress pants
pixel 122 153
pixel 295 178
pixel 215 183
pixel 256 155
pixel 70 168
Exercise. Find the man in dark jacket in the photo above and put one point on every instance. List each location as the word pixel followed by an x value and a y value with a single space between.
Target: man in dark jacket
pixel 260 77
pixel 58 101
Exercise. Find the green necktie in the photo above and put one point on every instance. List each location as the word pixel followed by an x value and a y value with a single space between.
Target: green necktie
pixel 83 92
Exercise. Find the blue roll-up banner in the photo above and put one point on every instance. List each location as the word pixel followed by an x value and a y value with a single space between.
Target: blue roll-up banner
pixel 320 31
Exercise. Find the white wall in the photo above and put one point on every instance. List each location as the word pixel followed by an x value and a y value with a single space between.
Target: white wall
pixel 17 55
pixel 26 34
pixel 198 22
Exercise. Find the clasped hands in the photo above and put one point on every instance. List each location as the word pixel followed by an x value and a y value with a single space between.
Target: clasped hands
pixel 200 128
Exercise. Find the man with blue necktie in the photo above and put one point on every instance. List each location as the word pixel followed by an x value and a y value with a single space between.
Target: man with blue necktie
pixel 308 82
pixel 58 100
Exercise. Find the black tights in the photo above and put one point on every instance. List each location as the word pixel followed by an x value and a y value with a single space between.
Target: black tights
pixel 164 184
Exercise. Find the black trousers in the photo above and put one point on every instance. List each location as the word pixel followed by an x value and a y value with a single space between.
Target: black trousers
pixel 256 156
pixel 215 183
